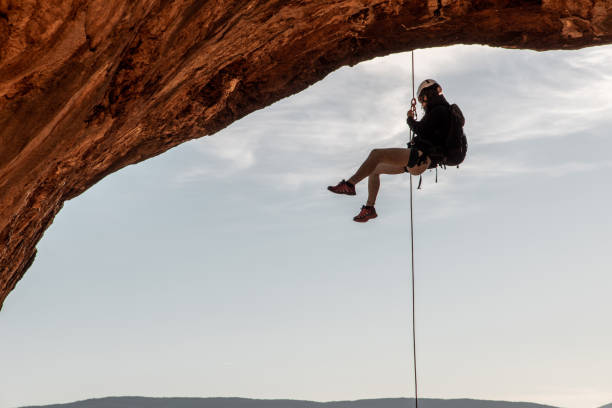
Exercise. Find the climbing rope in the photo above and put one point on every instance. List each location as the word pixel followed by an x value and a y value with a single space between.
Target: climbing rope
pixel 416 394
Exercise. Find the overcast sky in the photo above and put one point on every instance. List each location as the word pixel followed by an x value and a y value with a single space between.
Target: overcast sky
pixel 225 268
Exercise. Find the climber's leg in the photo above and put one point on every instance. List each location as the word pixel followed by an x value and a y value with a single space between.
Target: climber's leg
pixel 396 157
pixel 374 179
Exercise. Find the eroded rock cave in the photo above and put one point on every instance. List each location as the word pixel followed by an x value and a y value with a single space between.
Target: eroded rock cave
pixel 88 87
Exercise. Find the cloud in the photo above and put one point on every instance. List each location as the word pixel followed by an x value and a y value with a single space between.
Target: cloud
pixel 509 97
pixel 219 157
pixel 498 167
pixel 429 63
pixel 542 95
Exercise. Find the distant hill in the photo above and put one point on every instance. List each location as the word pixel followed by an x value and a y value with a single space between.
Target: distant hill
pixel 143 402
pixel 607 406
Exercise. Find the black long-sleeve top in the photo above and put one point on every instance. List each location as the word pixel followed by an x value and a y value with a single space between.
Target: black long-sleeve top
pixel 431 131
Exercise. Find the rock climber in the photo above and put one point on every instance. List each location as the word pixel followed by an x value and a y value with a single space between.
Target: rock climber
pixel 425 149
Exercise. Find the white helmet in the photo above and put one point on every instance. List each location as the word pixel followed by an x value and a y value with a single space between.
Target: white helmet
pixel 426 84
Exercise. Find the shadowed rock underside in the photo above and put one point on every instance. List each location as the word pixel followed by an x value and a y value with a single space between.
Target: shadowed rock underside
pixel 88 87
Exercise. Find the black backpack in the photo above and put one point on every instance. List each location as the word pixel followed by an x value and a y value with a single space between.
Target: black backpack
pixel 456 143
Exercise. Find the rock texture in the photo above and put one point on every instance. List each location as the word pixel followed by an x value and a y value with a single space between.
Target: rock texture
pixel 88 87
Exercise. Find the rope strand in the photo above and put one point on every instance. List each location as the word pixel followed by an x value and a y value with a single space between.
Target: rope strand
pixel 416 394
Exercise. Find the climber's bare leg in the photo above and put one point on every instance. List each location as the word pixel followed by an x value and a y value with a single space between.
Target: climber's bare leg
pixel 395 157
pixel 374 180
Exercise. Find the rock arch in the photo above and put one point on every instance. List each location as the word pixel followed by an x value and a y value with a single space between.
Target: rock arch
pixel 90 86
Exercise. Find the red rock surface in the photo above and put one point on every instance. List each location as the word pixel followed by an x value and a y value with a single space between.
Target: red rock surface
pixel 88 87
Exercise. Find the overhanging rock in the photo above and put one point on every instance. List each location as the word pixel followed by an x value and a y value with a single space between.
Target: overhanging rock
pixel 88 87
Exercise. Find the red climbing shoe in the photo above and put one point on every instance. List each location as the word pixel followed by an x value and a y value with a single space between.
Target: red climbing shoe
pixel 365 214
pixel 342 187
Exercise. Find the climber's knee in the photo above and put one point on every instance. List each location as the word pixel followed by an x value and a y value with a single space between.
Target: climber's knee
pixel 375 152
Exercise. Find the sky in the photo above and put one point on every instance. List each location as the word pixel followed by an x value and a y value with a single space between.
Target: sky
pixel 225 268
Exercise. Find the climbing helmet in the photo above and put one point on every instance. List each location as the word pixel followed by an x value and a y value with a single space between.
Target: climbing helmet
pixel 426 84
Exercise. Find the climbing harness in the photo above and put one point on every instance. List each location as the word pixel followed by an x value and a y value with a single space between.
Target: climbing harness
pixel 413 108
